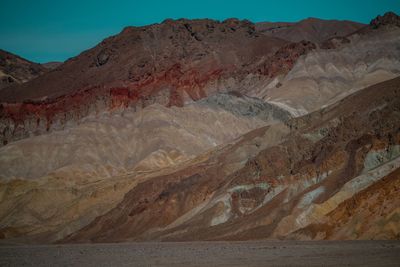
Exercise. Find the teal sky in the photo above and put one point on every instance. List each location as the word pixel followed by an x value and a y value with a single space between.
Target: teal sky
pixel 51 30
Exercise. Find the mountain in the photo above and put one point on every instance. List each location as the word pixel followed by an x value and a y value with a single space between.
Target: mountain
pixel 332 174
pixel 146 58
pixel 203 130
pixel 16 70
pixel 179 61
pixel 171 63
pixel 311 29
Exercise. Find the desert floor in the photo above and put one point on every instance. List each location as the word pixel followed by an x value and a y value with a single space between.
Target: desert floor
pixel 260 253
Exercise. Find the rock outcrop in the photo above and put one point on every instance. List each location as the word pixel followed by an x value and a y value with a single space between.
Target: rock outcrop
pixel 389 18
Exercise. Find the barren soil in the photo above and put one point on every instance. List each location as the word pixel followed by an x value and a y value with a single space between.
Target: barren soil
pixel 262 253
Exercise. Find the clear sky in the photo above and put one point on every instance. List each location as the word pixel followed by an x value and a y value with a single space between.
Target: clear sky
pixel 54 30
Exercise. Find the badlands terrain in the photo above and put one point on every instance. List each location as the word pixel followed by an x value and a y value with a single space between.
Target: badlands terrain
pixel 201 130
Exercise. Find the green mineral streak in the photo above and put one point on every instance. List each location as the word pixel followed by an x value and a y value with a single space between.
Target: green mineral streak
pixel 247 187
pixel 378 157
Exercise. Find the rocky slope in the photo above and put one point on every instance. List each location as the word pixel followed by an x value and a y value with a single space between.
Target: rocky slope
pixel 176 62
pixel 158 135
pixel 325 76
pixel 182 55
pixel 283 181
pixel 16 70
pixel 86 168
pixel 287 180
pixel 172 63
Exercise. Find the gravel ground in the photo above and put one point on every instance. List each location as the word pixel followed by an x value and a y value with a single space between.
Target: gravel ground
pixel 261 253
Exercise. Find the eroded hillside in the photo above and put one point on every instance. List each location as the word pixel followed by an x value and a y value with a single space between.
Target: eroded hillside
pixel 292 177
pixel 207 130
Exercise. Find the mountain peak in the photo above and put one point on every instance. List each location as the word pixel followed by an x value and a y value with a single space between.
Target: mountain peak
pixel 389 18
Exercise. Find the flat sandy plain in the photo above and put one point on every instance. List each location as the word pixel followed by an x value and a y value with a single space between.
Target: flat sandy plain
pixel 260 253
